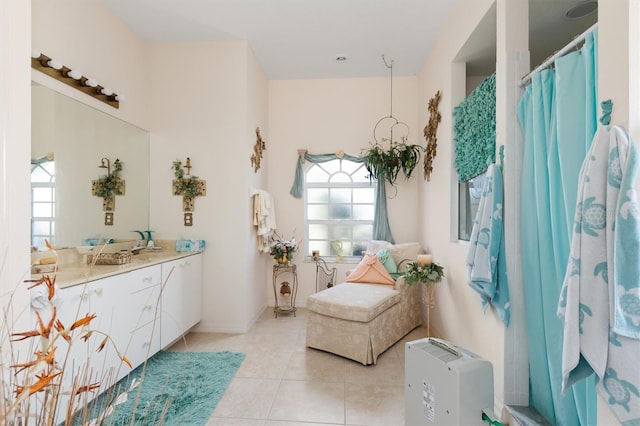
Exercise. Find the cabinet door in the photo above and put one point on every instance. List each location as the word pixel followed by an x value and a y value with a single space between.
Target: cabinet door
pixel 137 304
pixel 193 291
pixel 76 303
pixel 122 304
pixel 145 329
pixel 181 297
pixel 171 317
pixel 80 359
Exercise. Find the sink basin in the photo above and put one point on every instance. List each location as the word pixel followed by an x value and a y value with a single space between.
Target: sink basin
pixel 151 255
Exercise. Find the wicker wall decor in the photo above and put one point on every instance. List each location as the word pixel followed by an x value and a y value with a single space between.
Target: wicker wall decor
pixel 430 134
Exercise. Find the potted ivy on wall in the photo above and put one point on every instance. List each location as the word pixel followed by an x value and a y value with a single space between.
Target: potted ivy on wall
pixel 110 185
pixel 185 185
pixel 188 187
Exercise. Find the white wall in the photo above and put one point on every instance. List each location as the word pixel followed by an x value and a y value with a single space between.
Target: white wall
pixel 89 37
pixel 15 135
pixel 325 116
pixel 618 65
pixel 208 111
pixel 458 314
pixel 200 100
pixel 257 116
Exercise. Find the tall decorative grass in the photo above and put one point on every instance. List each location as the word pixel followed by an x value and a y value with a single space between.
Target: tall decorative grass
pixel 39 384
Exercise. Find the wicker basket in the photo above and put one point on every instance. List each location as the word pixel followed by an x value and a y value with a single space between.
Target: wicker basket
pixel 109 258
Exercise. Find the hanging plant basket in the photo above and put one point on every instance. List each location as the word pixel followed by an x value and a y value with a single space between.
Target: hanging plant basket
pixel 387 163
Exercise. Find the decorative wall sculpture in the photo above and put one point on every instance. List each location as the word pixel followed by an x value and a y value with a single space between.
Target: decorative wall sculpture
pixel 260 146
pixel 430 134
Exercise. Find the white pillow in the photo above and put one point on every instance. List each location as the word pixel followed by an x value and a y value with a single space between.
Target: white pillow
pixel 405 251
pixel 374 246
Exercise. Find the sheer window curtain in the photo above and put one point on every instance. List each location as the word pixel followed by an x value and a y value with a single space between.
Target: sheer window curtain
pixel 558 116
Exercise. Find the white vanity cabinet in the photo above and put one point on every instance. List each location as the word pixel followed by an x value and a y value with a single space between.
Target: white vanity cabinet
pixel 181 297
pixel 141 320
pixel 133 311
pixel 74 304
pixel 126 308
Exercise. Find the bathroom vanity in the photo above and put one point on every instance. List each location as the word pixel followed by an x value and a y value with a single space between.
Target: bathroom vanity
pixel 142 307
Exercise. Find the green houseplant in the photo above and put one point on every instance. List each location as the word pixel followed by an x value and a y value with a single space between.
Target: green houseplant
pixel 187 187
pixel 387 163
pixel 110 185
pixel 428 274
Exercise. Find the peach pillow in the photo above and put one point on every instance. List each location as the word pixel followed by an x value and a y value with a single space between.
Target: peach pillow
pixel 370 270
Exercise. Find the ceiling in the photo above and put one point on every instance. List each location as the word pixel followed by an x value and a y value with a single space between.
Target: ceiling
pixel 301 39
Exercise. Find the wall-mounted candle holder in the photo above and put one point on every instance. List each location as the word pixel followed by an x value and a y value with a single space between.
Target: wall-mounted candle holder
pixel 189 187
pixel 107 187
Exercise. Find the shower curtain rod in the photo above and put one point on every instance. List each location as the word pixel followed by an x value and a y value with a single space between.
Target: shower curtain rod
pixel 573 44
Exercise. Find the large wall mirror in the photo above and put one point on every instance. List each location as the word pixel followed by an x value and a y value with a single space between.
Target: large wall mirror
pixel 68 141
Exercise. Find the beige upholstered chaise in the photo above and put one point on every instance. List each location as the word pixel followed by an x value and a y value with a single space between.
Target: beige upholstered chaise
pixel 360 321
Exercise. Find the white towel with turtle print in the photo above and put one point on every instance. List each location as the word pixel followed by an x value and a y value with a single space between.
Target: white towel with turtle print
pixel 486 263
pixel 600 296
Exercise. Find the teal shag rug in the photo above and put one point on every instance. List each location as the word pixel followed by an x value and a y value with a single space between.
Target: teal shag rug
pixel 178 388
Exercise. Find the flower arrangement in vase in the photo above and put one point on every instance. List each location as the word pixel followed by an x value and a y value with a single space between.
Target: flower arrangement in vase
pixel 282 250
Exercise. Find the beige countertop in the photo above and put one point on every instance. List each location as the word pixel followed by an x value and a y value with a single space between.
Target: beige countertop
pixel 79 272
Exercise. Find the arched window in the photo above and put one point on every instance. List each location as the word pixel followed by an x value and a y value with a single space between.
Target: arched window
pixel 339 208
pixel 43 202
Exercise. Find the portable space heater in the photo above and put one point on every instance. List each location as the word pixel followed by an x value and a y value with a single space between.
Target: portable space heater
pixel 445 385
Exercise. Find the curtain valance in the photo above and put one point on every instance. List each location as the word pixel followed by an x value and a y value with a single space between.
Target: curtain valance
pixel 381 229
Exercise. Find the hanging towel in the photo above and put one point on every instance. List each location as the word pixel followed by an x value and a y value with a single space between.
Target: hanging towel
pixel 486 263
pixel 600 296
pixel 264 218
pixel 40 297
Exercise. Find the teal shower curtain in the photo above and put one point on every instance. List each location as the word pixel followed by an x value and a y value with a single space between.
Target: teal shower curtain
pixel 558 116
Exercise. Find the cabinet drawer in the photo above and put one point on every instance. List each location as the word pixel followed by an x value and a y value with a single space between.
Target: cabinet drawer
pixel 145 342
pixel 145 306
pixel 140 279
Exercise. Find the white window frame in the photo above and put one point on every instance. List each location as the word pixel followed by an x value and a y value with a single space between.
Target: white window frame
pixel 360 168
pixel 468 205
pixel 50 185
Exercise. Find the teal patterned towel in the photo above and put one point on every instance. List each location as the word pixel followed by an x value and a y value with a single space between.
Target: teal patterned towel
pixel 486 264
pixel 600 296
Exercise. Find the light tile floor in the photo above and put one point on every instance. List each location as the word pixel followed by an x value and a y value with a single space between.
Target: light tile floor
pixel 283 383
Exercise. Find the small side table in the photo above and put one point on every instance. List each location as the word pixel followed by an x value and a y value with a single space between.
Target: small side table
pixel 285 294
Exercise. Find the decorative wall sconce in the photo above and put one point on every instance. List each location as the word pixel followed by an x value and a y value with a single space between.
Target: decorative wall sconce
pixel 257 151
pixel 430 134
pixel 189 187
pixel 108 186
pixel 74 78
